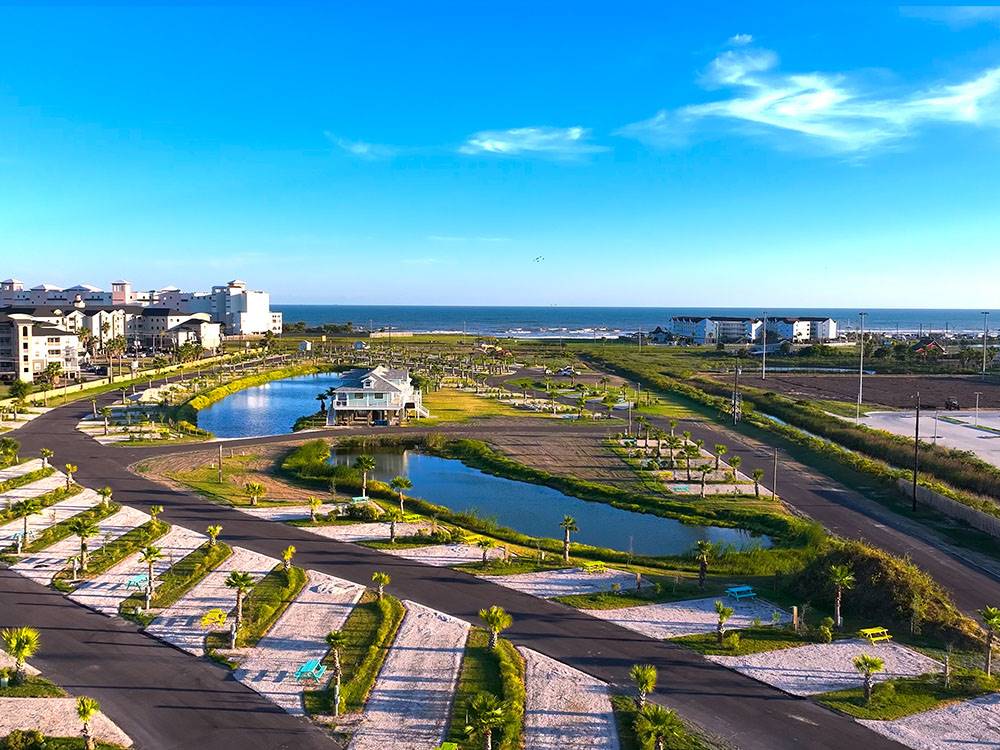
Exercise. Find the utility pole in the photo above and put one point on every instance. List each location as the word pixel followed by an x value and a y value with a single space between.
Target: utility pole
pixel 978 394
pixel 861 366
pixel 774 475
pixel 737 400
pixel 220 463
pixel 763 341
pixel 985 336
pixel 916 453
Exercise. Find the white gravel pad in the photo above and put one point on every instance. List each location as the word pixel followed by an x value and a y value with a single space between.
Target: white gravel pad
pixel 674 619
pixel 7 662
pixel 443 555
pixel 823 667
pixel 180 624
pixel 55 717
pixel 107 591
pixel 298 636
pixel 288 512
pixel 970 725
pixel 43 566
pixel 34 489
pixel 84 500
pixel 410 705
pixel 565 708
pixel 19 470
pixel 359 532
pixel 550 583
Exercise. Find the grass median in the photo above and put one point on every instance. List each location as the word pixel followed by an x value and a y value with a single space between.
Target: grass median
pixel 262 607
pixel 114 552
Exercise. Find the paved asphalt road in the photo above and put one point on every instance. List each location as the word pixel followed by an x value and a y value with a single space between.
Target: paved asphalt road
pixel 742 712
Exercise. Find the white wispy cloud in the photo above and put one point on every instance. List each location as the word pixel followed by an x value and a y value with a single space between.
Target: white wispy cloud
pixel 956 16
pixel 550 142
pixel 829 109
pixel 361 149
pixel 740 40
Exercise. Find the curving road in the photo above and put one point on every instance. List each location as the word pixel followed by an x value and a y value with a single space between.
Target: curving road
pixel 167 700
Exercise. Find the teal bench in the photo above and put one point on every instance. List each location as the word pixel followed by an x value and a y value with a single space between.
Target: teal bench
pixel 741 592
pixel 312 670
pixel 139 581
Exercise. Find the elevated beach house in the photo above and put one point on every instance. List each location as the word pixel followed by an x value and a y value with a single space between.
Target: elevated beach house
pixel 377 396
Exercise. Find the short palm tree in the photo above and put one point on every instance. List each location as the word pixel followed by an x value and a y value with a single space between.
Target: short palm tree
pixel 105 493
pixel 242 582
pixel 485 713
pixel 867 666
pixel 496 620
pixel 394 517
pixel 720 451
pixel 991 619
pixel 155 511
pixel 24 509
pixel 381 579
pixel 486 544
pixel 704 471
pixel 85 529
pixel 71 469
pixel 46 454
pixel 841 577
pixel 644 677
pixel 213 532
pixel 254 491
pixel 336 640
pixel 286 557
pixel 106 416
pixel 365 463
pixel 568 525
pixel 149 556
pixel 758 474
pixel 724 613
pixel 691 452
pixel 400 484
pixel 21 643
pixel 86 710
pixel 314 505
pixel 655 726
pixel 736 462
pixel 703 551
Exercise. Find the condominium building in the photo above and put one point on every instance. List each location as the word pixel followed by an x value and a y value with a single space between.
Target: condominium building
pixel 702 329
pixel 29 345
pixel 803 328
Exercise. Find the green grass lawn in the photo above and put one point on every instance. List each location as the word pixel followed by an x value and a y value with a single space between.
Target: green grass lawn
pixel 115 551
pixel 370 629
pixel 204 480
pixel 753 640
pixel 61 530
pixel 33 687
pixel 499 672
pixel 901 697
pixel 267 601
pixel 451 405
pixel 178 580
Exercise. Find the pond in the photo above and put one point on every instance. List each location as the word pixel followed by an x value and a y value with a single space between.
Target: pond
pixel 268 409
pixel 537 510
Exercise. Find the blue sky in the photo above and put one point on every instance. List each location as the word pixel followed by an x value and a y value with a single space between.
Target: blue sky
pixel 517 153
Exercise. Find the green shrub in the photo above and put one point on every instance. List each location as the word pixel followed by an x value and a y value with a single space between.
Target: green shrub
pixel 824 634
pixel 25 739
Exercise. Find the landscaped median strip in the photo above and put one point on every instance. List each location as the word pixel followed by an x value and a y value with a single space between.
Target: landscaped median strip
pixel 22 478
pixel 17 470
pixel 50 516
pixel 36 488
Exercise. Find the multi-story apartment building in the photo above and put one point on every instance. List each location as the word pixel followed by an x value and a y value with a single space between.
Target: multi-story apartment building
pixel 803 328
pixel 29 345
pixel 702 329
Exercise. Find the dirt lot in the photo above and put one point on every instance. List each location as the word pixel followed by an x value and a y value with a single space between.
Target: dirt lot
pixel 889 390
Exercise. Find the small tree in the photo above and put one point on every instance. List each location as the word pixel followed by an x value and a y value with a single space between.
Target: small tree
pixel 991 619
pixel 286 557
pixel 46 454
pixel 868 666
pixel 314 505
pixel 724 613
pixel 83 528
pixel 568 525
pixel 21 643
pixel 486 544
pixel 86 710
pixel 758 474
pixel 213 532
pixel 155 511
pixel 704 471
pixel 106 416
pixel 720 451
pixel 644 677
pixel 24 509
pixel 71 469
pixel 105 493
pixel 703 551
pixel 381 579
pixel 394 517
pixel 485 713
pixel 735 462
pixel 242 582
pixel 254 491
pixel 655 726
pixel 400 485
pixel 336 640
pixel 841 577
pixel 149 556
pixel 365 463
pixel 496 620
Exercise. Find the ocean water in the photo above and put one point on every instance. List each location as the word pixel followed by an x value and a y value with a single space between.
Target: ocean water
pixel 597 322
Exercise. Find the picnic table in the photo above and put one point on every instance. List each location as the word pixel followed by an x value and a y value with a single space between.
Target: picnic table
pixel 741 592
pixel 311 670
pixel 359 500
pixel 138 581
pixel 874 635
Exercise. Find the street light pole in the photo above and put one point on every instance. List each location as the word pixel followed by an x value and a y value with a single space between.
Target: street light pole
pixel 978 394
pixel 861 366
pixel 916 453
pixel 763 341
pixel 985 336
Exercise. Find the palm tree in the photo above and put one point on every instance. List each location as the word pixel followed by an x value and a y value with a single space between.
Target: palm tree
pixel 485 544
pixel 703 551
pixel 155 511
pixel 394 517
pixel 381 579
pixel 496 620
pixel 724 614
pixel 673 426
pixel 720 451
pixel 21 643
pixel 485 713
pixel 286 557
pixel 85 529
pixel 71 469
pixel 9 447
pixel 868 665
pixel 336 640
pixel 991 619
pixel 321 397
pixel 758 474
pixel 656 725
pixel 106 416
pixel 213 532
pixel 673 444
pixel 105 493
pixel 644 677
pixel 704 470
pixel 242 582
pixel 46 454
pixel 314 505
pixel 254 491
pixel 568 525
pixel 23 509
pixel 86 709
pixel 690 452
pixel 365 463
pixel 150 555
pixel 735 462
pixel 399 485
pixel 841 577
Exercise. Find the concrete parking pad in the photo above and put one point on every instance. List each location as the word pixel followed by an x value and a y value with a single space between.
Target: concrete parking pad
pixel 970 725
pixel 565 581
pixel 55 717
pixel 674 619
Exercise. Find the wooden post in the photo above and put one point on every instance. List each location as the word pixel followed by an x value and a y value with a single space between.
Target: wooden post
pixel 795 619
pixel 220 463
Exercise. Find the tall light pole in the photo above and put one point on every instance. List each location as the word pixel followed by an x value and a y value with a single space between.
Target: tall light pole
pixel 978 394
pixel 916 453
pixel 763 341
pixel 985 333
pixel 861 366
